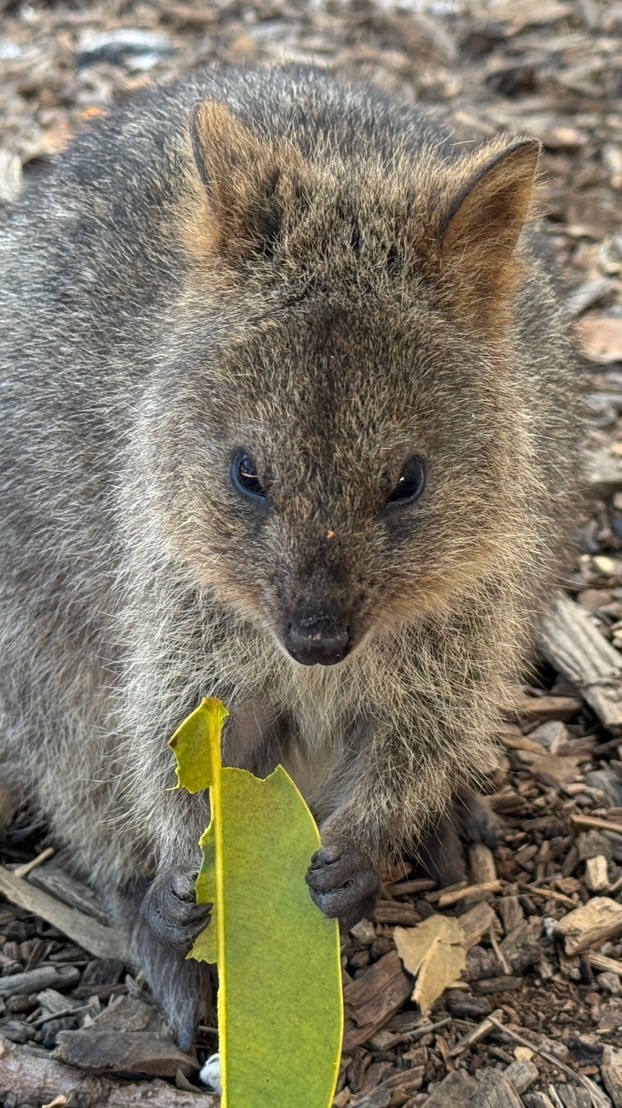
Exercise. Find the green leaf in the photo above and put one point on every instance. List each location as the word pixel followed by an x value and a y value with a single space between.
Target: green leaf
pixel 194 743
pixel 280 1009
pixel 205 947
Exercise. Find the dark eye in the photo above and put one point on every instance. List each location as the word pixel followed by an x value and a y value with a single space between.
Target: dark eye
pixel 411 483
pixel 245 478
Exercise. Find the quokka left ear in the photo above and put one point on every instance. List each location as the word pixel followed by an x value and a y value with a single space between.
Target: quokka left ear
pixel 482 226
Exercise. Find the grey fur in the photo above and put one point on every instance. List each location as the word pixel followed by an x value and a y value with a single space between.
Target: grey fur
pixel 135 580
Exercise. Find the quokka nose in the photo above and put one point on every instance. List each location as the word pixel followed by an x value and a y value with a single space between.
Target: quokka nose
pixel 317 640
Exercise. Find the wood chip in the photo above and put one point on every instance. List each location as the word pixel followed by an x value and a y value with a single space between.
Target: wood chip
pixel 597 822
pixel 476 1034
pixel 11 177
pixel 477 922
pixel 601 338
pixel 571 642
pixel 392 912
pixel 543 708
pixel 604 472
pixel 28 867
pixel 103 942
pixel 521 1074
pixel 43 977
pixel 555 770
pixel 495 1091
pixel 490 986
pixel 42 1079
pixel 121 1052
pixel 597 874
pixel 611 1070
pixel 511 912
pixel 455 1090
pixel 64 886
pixel 379 991
pixel 604 964
pixel 446 900
pixel 592 924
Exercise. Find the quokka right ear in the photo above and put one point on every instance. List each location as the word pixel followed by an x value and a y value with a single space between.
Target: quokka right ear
pixel 246 181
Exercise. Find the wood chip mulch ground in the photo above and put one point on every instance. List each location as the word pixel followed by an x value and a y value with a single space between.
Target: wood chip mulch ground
pixel 535 1020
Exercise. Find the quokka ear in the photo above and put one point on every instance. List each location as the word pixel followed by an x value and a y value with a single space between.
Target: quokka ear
pixel 480 232
pixel 243 177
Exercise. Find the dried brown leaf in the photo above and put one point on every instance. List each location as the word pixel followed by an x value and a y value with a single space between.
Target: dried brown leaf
pixel 435 951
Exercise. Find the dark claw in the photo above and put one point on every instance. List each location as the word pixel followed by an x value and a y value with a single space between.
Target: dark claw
pixel 170 910
pixel 477 820
pixel 342 882
pixel 441 853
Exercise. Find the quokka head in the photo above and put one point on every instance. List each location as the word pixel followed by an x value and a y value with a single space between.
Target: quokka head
pixel 343 450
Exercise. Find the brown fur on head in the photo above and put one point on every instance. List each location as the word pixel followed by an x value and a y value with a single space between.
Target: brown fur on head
pixel 355 308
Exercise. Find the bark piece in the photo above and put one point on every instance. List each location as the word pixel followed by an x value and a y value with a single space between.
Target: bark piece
pixel 492 985
pixel 391 912
pixel 601 338
pixel 554 770
pixel 41 1080
pixel 43 977
pixel 611 1070
pixel 476 1034
pixel 455 1090
pixel 614 826
pixel 597 874
pixel 592 924
pixel 553 734
pixel 521 1075
pixel 604 471
pixel 477 922
pixel 494 1091
pixel 62 886
pixel 549 707
pixel 133 1052
pixel 379 991
pixel 132 1013
pixel 470 892
pixel 463 1005
pixel 522 947
pixel 511 912
pixel 604 964
pixel 571 642
pixel 103 942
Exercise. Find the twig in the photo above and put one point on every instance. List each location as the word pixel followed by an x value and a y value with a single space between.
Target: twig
pixel 476 1034
pixel 23 871
pixel 550 894
pixel 445 900
pixel 499 955
pixel 599 1100
pixel 597 821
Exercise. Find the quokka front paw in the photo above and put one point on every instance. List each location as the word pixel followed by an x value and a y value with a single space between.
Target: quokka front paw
pixel 343 882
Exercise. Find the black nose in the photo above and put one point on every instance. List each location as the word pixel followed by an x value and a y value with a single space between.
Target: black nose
pixel 317 639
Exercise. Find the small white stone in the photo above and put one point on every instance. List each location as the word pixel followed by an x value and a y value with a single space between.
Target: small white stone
pixel 210 1073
